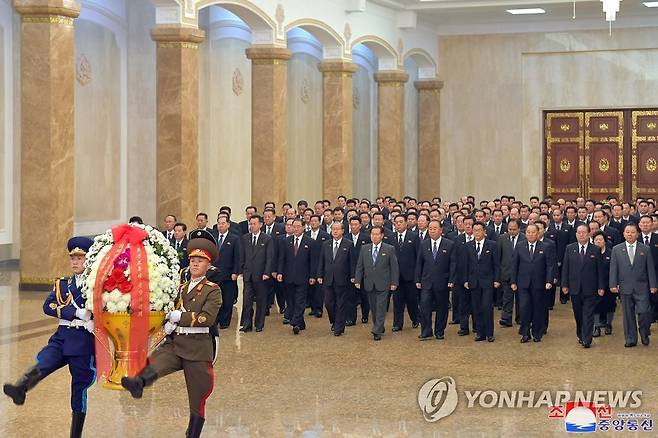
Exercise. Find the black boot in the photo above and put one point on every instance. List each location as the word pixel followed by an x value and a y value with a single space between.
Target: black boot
pixel 77 422
pixel 18 390
pixel 195 426
pixel 137 384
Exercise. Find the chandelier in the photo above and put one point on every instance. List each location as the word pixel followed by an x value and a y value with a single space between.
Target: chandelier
pixel 610 7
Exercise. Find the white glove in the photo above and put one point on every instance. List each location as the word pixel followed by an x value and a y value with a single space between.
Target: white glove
pixel 169 327
pixel 174 315
pixel 83 314
pixel 89 326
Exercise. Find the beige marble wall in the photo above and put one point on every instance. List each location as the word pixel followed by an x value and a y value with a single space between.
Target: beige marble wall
pixel 337 128
pixel 269 124
pixel 47 125
pixel 496 87
pixel 97 124
pixel 304 129
pixel 361 164
pixel 3 147
pixel 141 112
pixel 429 152
pixel 411 130
pixel 177 153
pixel 390 133
pixel 225 125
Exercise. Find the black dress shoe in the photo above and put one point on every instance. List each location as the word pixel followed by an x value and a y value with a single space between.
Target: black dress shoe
pixel 295 330
pixel 537 339
pixel 350 323
pixel 286 321
pixel 645 340
pixel 223 327
pixel 588 345
pixel 597 332
pixel 525 339
pixel 363 321
pixel 504 323
pixel 414 325
pixel 245 329
pixel 338 333
pixel 608 329
pixel 480 338
pixel 318 314
pixel 396 329
pixel 630 344
pixel 377 337
pixel 580 341
pixel 491 338
pixel 258 330
pixel 453 322
pixel 267 312
pixel 439 337
pixel 424 338
pixel 311 313
pixel 463 332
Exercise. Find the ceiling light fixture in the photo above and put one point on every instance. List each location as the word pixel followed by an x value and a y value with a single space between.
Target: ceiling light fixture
pixel 530 11
pixel 651 4
pixel 610 7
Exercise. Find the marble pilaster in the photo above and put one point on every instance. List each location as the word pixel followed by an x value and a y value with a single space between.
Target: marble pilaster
pixel 337 128
pixel 429 105
pixel 269 118
pixel 177 126
pixel 47 138
pixel 390 132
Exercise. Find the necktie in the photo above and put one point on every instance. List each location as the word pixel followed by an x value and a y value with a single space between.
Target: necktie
pixel 646 240
pixel 374 255
pixel 631 253
pixel 269 230
pixel 177 246
pixel 478 250
pixel 532 250
pixel 335 249
pixel 582 253
pixel 557 227
pixel 497 229
pixel 296 245
pixel 513 239
pixel 435 250
pixel 253 241
pixel 221 240
pixel 400 239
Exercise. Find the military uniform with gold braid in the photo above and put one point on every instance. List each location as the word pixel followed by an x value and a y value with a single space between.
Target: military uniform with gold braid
pixel 191 343
pixel 72 344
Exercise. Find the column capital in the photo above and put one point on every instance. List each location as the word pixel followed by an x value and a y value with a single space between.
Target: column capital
pixel 338 67
pixel 176 36
pixel 393 77
pixel 428 84
pixel 268 54
pixel 32 10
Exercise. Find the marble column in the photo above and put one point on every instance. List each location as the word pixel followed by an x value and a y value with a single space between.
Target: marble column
pixel 177 126
pixel 337 128
pixel 47 138
pixel 269 124
pixel 429 105
pixel 390 132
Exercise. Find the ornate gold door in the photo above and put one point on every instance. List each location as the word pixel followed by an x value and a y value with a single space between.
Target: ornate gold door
pixel 564 154
pixel 644 154
pixel 604 155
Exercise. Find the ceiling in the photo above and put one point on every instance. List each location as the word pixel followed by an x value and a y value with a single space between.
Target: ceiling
pixel 490 16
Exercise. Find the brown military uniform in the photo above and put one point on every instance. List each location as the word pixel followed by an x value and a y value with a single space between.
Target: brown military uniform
pixel 192 353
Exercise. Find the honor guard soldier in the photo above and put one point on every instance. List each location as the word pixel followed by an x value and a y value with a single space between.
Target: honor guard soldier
pixel 213 273
pixel 191 343
pixel 72 344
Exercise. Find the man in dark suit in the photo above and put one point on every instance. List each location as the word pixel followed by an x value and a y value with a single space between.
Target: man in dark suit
pixel 498 225
pixel 406 244
pixel 297 271
pixel 506 245
pixel 256 258
pixel 562 235
pixel 378 273
pixel 228 268
pixel 532 277
pixel 335 275
pixel 633 277
pixel 319 236
pixel 482 277
pixel 355 296
pixel 244 225
pixel 461 300
pixel 650 239
pixel 423 223
pixel 612 236
pixel 549 248
pixel 583 280
pixel 179 242
pixel 435 274
pixel 169 223
pixel 278 289
pixel 275 230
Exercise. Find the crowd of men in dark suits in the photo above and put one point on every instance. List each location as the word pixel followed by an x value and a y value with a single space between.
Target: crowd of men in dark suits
pixel 437 259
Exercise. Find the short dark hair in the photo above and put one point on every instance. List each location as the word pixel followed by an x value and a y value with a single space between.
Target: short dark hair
pixel 257 216
pixel 136 220
pixel 203 215
pixel 171 215
pixel 377 227
pixel 182 225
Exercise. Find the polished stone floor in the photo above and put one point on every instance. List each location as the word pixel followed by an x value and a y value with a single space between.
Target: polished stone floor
pixel 275 384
